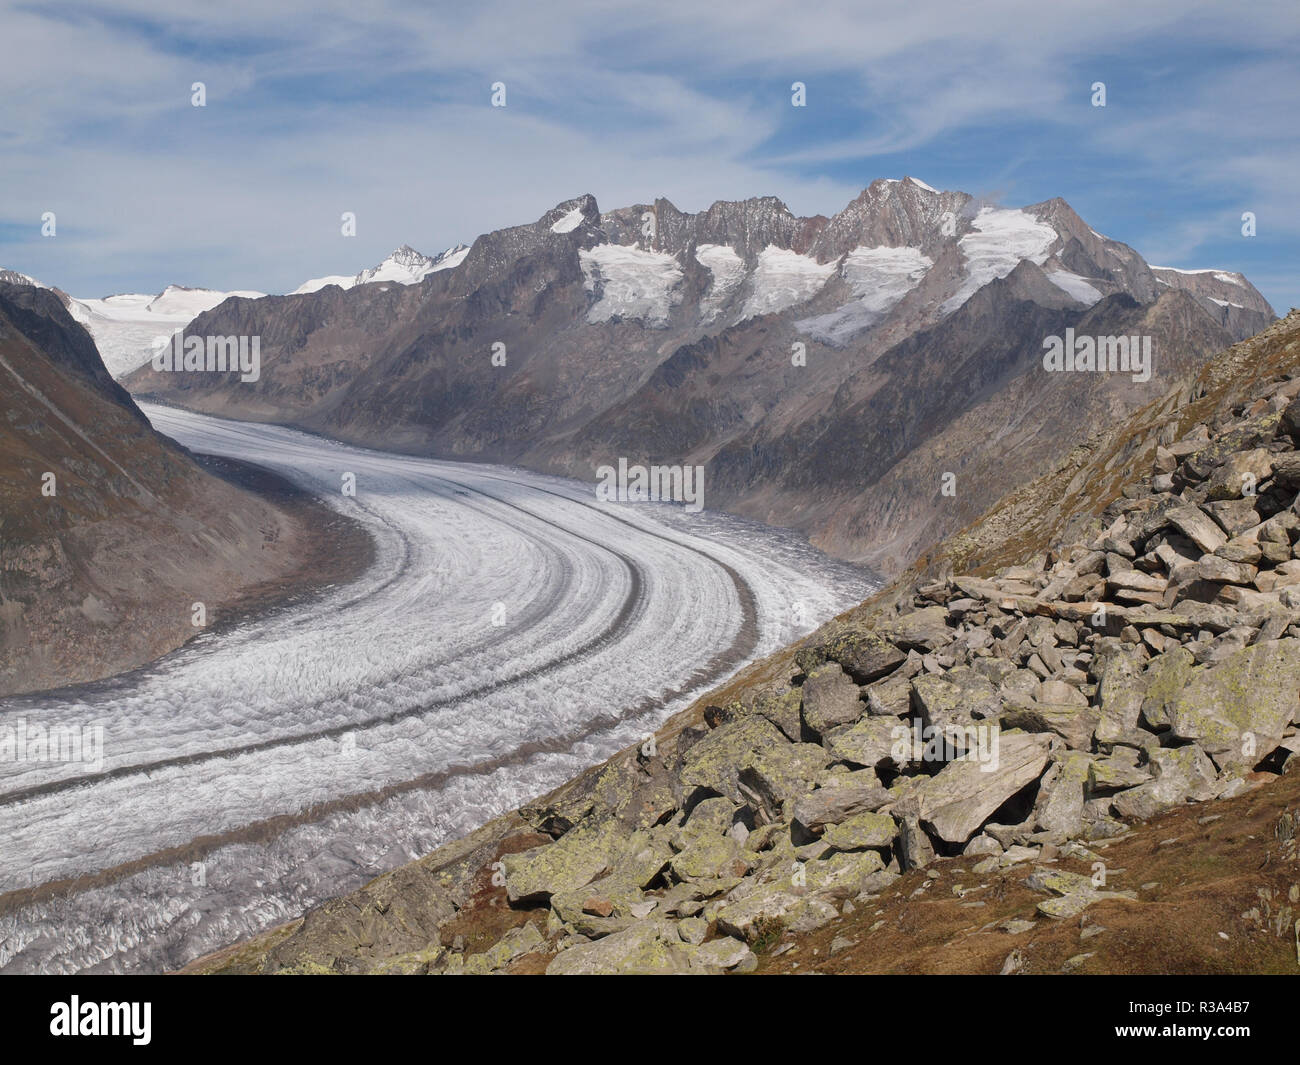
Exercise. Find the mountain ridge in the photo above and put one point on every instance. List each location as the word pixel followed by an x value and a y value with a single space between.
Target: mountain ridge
pixel 664 336
pixel 101 515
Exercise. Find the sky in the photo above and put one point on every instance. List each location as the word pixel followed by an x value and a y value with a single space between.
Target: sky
pixel 384 109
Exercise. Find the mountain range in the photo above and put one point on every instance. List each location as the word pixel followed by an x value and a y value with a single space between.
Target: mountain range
pixel 873 380
pixel 125 326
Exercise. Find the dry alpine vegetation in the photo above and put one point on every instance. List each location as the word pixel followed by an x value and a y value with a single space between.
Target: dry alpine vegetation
pixel 1132 624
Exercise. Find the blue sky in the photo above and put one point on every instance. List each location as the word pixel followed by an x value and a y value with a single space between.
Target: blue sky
pixel 382 109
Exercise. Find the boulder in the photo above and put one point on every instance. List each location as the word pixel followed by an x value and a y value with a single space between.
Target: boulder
pixel 708 858
pixel 1059 807
pixel 861 832
pixel 839 798
pixel 1181 774
pixel 1074 892
pixel 1166 677
pixel 775 776
pixel 1072 722
pixel 841 876
pixel 830 698
pixel 923 630
pixel 1239 474
pixel 1120 689
pixel 525 939
pixel 870 742
pixel 714 763
pixel 959 697
pixel 1197 526
pixel 958 799
pixel 711 817
pixel 572 861
pixel 892 696
pixel 914 846
pixel 1060 693
pixel 1116 772
pixel 864 655
pixel 648 947
pixel 775 904
pixel 725 955
pixel 782 708
pixel 1238 710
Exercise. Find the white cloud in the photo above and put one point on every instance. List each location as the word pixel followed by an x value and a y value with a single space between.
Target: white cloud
pixel 382 109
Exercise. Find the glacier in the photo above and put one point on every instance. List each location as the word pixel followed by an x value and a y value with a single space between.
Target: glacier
pixel 511 631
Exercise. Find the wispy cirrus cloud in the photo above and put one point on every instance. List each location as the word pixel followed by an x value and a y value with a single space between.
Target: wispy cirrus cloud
pixel 383 109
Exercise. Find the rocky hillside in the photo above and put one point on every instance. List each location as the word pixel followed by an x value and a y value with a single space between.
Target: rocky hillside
pixel 971 772
pixel 826 372
pixel 109 533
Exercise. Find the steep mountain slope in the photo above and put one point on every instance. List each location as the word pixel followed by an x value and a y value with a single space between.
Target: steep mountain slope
pixel 1116 676
pixel 826 372
pixel 1228 296
pixel 109 533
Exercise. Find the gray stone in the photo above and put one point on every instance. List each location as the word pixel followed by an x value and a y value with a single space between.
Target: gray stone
pixel 575 859
pixel 775 776
pixel 922 630
pixel 960 797
pixel 959 697
pixel 716 760
pixel 861 832
pixel 517 942
pixel 870 742
pixel 1239 709
pixel 1166 677
pixel 647 947
pixel 830 698
pixel 1059 807
pixel 864 654
pixel 1181 774
pixel 839 798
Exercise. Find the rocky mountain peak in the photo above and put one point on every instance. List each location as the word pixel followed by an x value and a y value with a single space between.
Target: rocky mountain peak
pixel 13 277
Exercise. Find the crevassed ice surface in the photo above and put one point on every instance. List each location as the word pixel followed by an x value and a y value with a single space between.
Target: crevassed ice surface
pixel 783 279
pixel 631 283
pixel 511 631
pixel 879 279
pixel 999 240
pixel 728 271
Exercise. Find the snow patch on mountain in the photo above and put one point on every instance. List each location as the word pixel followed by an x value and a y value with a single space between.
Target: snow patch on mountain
pixel 1074 286
pixel 1001 240
pixel 318 283
pixel 879 278
pixel 569 222
pixel 728 270
pixel 630 283
pixel 13 277
pixel 783 279
pixel 1219 275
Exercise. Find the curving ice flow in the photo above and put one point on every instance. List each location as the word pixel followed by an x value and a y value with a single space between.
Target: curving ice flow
pixel 511 631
